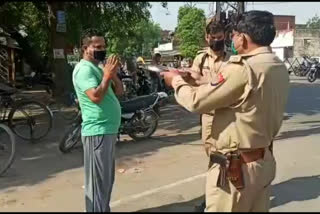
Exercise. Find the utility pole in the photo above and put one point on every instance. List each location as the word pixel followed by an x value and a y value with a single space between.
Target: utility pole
pixel 218 10
pixel 241 7
pixel 218 7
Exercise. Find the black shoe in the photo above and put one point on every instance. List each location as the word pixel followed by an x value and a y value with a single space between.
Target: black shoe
pixel 201 207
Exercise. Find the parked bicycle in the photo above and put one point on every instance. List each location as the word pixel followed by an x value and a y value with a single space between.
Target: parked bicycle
pixel 68 109
pixel 28 119
pixel 7 148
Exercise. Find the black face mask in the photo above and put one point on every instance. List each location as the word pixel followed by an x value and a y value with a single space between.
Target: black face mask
pixel 217 45
pixel 99 55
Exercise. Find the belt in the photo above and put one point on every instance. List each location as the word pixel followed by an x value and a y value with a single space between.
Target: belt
pixel 254 155
pixel 251 156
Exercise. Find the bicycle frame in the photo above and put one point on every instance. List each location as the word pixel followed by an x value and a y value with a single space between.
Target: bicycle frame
pixel 5 102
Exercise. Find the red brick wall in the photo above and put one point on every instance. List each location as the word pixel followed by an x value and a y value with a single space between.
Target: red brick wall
pixel 281 22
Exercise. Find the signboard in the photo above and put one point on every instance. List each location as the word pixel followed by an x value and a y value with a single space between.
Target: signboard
pixel 61 17
pixel 166 47
pixel 58 53
pixel 61 28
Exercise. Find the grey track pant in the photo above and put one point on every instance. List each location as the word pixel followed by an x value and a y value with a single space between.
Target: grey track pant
pixel 99 152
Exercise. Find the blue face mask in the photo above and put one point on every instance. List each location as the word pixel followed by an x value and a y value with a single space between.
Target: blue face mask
pixel 233 49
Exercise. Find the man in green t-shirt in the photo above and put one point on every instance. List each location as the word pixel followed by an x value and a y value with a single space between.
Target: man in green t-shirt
pixel 101 116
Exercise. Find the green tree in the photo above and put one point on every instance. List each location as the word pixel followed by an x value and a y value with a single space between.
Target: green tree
pixel 145 35
pixel 190 30
pixel 314 22
pixel 26 16
pixel 120 21
pixel 116 19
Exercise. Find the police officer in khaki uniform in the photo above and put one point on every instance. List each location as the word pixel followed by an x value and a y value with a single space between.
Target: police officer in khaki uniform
pixel 248 96
pixel 208 63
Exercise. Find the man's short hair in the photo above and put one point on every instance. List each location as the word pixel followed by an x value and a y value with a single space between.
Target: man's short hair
pixel 87 35
pixel 157 55
pixel 259 25
pixel 214 26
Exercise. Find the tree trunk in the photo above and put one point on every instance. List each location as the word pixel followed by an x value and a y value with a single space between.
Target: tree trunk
pixel 57 41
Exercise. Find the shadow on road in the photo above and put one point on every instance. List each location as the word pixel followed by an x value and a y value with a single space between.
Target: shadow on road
pixel 187 206
pixel 304 99
pixel 298 133
pixel 35 163
pixel 296 189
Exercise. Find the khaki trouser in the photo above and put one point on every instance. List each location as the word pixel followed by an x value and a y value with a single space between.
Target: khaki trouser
pixel 255 197
pixel 206 129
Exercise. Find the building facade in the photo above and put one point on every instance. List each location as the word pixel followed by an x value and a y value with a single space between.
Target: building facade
pixel 283 44
pixel 307 42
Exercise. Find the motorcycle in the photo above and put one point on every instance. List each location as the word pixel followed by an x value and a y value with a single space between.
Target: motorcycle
pixel 40 78
pixel 304 67
pixel 143 83
pixel 139 120
pixel 129 88
pixel 314 72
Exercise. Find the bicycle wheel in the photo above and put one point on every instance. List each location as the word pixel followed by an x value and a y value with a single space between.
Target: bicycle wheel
pixel 71 138
pixel 67 112
pixel 30 120
pixel 7 148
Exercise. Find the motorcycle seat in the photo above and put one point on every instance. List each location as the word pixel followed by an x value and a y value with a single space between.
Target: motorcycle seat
pixel 7 90
pixel 138 103
pixel 126 76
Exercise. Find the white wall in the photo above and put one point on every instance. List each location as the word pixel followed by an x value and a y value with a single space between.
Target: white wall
pixel 283 39
pixel 279 52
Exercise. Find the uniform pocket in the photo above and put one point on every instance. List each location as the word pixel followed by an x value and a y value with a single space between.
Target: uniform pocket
pixel 262 172
pixel 269 168
pixel 213 175
pixel 97 142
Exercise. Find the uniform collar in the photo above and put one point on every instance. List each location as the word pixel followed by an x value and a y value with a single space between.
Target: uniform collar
pixel 260 50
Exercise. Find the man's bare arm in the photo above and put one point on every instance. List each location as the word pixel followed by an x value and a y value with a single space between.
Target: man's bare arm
pixel 96 94
pixel 118 87
pixel 110 69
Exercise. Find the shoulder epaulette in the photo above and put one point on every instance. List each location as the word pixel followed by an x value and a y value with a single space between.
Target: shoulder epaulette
pixel 235 58
pixel 201 51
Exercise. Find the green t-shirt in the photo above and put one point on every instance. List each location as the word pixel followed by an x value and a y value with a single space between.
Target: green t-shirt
pixel 98 119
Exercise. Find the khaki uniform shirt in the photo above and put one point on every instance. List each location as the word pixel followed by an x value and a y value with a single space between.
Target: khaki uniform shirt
pixel 248 98
pixel 211 66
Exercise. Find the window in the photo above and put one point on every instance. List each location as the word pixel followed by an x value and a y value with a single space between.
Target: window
pixel 306 42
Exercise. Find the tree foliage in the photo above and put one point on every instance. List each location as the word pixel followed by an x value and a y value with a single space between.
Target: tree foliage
pixel 191 30
pixel 125 24
pixel 140 39
pixel 314 22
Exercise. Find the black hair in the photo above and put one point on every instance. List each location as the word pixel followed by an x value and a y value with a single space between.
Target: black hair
pixel 215 27
pixel 157 55
pixel 259 25
pixel 87 35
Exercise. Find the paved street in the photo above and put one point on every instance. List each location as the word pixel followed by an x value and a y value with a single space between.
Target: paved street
pixel 167 172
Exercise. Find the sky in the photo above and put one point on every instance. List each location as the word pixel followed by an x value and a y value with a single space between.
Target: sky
pixel 167 18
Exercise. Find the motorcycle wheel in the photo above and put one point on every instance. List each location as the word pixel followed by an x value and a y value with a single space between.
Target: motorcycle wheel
pixel 312 76
pixel 151 121
pixel 297 72
pixel 304 72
